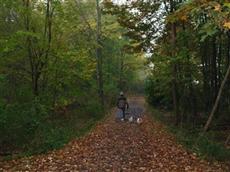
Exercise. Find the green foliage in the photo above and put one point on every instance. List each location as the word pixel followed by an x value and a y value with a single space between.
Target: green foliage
pixel 19 122
pixel 48 69
pixel 94 109
pixel 208 30
pixel 202 145
pixel 56 133
pixel 158 96
pixel 206 146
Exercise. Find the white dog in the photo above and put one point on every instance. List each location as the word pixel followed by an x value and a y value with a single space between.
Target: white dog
pixel 131 119
pixel 139 120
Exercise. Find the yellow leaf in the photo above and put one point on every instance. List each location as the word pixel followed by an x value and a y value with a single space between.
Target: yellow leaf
pixel 217 7
pixel 227 24
pixel 184 18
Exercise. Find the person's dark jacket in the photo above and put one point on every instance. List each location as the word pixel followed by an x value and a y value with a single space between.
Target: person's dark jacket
pixel 122 103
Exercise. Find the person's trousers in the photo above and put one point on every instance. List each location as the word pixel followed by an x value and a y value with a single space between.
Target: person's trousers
pixel 123 113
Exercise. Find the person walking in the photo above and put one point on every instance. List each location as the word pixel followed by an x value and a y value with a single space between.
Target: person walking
pixel 122 104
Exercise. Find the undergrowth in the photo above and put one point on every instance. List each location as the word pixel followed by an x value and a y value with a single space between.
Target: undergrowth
pixel 53 132
pixel 203 145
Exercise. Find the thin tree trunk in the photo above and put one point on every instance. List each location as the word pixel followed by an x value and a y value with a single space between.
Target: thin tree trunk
pixel 26 3
pixel 217 100
pixel 219 61
pixel 205 75
pixel 55 90
pixel 228 51
pixel 227 140
pixel 174 81
pixel 47 40
pixel 193 103
pixel 175 95
pixel 214 69
pixel 99 55
pixel 121 69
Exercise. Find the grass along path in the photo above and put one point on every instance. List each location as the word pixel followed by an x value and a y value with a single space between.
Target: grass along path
pixel 118 146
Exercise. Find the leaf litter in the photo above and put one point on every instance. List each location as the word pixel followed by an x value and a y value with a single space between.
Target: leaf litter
pixel 119 146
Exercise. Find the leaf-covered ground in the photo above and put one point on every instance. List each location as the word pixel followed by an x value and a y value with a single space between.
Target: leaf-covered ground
pixel 118 146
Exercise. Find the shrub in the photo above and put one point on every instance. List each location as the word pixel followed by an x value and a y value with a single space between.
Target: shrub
pixel 19 123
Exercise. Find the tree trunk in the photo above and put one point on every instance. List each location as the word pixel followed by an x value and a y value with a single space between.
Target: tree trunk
pixel 228 51
pixel 219 78
pixel 193 103
pixel 174 81
pixel 99 55
pixel 206 95
pixel 227 140
pixel 121 69
pixel 47 41
pixel 175 96
pixel 214 70
pixel 217 100
pixel 33 68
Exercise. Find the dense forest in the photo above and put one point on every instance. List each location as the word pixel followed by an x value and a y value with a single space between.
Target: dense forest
pixel 60 61
pixel 63 63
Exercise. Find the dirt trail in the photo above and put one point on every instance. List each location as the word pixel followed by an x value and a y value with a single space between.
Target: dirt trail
pixel 118 146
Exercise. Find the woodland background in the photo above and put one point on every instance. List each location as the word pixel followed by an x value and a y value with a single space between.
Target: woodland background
pixel 62 64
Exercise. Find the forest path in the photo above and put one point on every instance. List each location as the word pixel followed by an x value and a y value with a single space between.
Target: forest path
pixel 118 146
